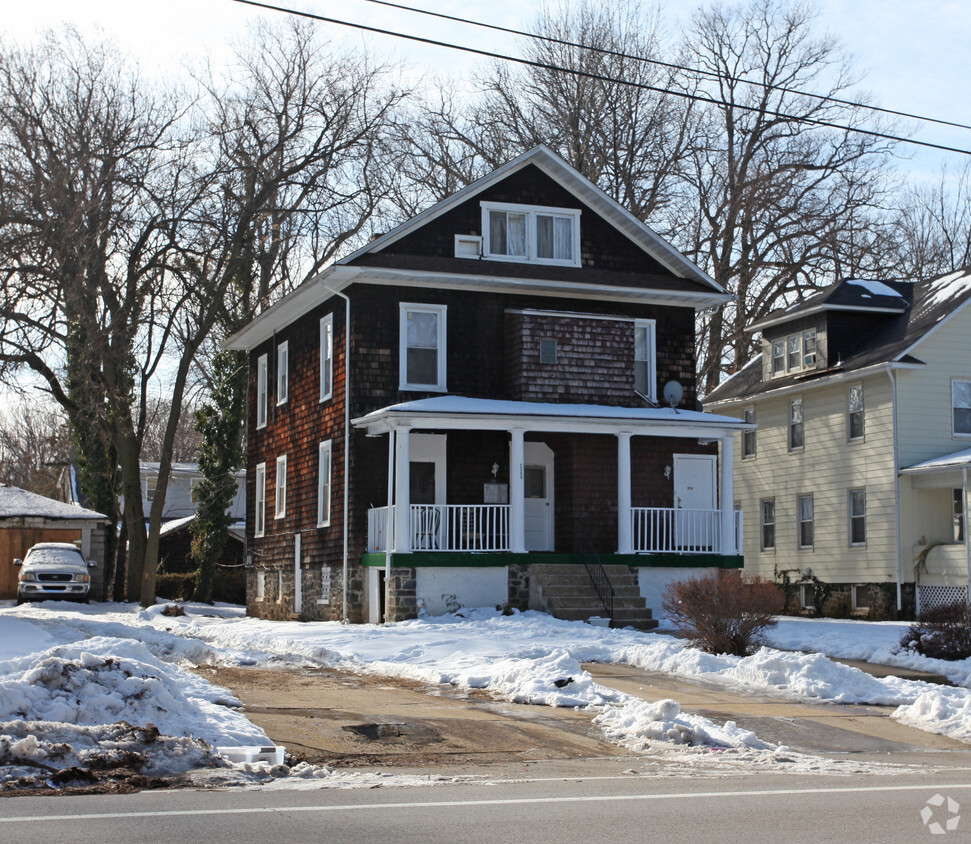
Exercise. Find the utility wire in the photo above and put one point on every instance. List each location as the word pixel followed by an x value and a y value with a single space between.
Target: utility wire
pixel 695 70
pixel 600 77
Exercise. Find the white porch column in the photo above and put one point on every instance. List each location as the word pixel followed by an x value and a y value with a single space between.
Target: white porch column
pixel 402 495
pixel 625 532
pixel 517 493
pixel 727 497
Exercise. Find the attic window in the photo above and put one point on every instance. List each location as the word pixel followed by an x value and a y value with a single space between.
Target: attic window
pixel 532 233
pixel 794 353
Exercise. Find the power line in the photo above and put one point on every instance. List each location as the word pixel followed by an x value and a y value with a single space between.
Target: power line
pixel 600 77
pixel 698 71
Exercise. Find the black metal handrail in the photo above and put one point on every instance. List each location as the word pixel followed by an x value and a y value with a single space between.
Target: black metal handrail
pixel 598 576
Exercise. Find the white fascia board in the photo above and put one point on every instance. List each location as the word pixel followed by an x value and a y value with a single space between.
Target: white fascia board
pixel 577 184
pixel 291 307
pixel 789 316
pixel 935 327
pixel 553 289
pixel 812 384
pixel 382 421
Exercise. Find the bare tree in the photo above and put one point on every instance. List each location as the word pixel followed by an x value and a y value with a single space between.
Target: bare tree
pixel 590 96
pixel 773 206
pixel 35 446
pixel 92 192
pixel 933 229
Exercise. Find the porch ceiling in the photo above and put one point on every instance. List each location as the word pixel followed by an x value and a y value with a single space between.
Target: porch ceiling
pixel 459 413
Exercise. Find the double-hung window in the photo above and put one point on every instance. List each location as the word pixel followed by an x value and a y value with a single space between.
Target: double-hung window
pixel 531 233
pixel 259 523
pixel 327 357
pixel 857 515
pixel 422 347
pixel 805 509
pixel 280 510
pixel 645 375
pixel 797 431
pixel 778 357
pixel 855 420
pixel 794 353
pixel 262 397
pixel 324 484
pixel 961 406
pixel 748 437
pixel 768 524
pixel 282 372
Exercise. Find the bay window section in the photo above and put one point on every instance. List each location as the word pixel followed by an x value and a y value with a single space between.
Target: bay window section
pixel 645 376
pixel 961 406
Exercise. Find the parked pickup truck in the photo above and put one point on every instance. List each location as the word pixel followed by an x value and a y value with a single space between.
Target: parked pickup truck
pixel 53 571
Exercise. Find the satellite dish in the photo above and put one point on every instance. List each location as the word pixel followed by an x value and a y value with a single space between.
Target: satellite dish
pixel 673 393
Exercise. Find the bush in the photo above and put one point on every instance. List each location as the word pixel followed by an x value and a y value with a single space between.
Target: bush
pixel 229 585
pixel 941 633
pixel 723 611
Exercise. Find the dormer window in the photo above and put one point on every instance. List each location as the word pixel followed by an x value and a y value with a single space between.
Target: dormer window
pixel 794 353
pixel 531 233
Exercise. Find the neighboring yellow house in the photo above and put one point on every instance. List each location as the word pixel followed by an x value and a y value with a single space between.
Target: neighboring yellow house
pixel 855 482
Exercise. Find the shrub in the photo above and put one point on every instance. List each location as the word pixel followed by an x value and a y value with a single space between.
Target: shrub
pixel 723 611
pixel 941 633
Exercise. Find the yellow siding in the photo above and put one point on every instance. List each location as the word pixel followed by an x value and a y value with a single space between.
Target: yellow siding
pixel 827 467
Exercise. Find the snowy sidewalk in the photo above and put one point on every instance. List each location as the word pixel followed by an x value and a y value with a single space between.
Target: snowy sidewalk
pixel 807 727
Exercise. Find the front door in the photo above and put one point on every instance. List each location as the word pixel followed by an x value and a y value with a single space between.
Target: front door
pixel 538 487
pixel 694 494
pixel 427 486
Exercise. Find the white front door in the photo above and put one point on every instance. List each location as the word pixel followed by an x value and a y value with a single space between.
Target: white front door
pixel 694 493
pixel 538 505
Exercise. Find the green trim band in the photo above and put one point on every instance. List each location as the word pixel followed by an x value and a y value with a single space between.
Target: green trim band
pixel 460 559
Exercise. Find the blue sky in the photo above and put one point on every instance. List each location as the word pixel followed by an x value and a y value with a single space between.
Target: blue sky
pixel 914 54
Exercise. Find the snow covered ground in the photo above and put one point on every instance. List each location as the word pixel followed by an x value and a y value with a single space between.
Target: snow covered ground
pixel 82 686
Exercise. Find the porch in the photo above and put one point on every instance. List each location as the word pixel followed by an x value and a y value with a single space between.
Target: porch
pixel 548 475
pixel 484 528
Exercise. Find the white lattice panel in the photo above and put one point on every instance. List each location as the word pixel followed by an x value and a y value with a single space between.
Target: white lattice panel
pixel 931 597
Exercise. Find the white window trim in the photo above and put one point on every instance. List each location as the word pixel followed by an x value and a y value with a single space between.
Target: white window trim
pixel 955 433
pixel 282 372
pixel 262 387
pixel 324 457
pixel 530 211
pixel 327 357
pixel 789 425
pixel 800 522
pixel 280 488
pixel 849 415
pixel 763 524
pixel 801 364
pixel 753 433
pixel 441 311
pixel 650 326
pixel 260 586
pixel 849 517
pixel 259 523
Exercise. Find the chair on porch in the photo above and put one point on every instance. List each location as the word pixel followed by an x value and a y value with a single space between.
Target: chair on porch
pixel 427 529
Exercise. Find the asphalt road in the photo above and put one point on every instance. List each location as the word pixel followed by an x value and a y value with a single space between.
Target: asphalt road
pixel 615 808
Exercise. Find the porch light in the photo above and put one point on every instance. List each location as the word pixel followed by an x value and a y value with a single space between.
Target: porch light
pixel 667 472
pixel 495 470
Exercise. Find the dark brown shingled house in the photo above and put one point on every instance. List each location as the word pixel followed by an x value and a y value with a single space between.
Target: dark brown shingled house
pixel 511 419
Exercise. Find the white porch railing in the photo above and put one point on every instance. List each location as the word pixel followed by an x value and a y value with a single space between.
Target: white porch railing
pixel 665 529
pixel 447 527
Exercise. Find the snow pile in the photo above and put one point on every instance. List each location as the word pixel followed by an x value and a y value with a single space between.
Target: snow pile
pixel 638 724
pixel 108 703
pixel 939 710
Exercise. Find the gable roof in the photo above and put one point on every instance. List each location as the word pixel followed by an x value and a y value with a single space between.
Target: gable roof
pixel 910 318
pixel 18 503
pixel 371 264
